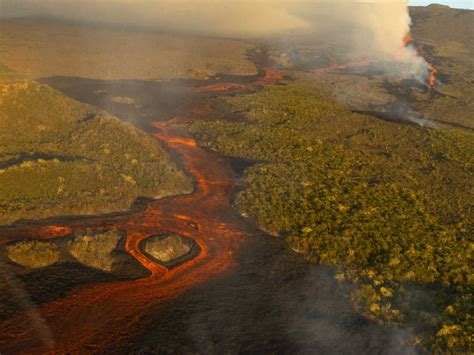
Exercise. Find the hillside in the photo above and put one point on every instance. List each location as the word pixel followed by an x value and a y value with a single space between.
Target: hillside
pixel 37 49
pixel 443 36
pixel 355 172
pixel 388 204
pixel 447 37
pixel 442 24
pixel 61 157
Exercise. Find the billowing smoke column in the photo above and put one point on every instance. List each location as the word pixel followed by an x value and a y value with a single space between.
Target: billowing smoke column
pixel 387 25
pixel 375 28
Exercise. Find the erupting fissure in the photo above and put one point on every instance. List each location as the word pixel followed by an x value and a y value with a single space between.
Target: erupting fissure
pixel 431 76
pixel 407 41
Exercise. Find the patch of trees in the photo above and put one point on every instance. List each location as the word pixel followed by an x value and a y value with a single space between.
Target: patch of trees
pixel 387 204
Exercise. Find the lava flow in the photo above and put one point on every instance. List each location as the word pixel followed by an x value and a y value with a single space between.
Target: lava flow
pixel 99 317
pixel 271 76
pixel 431 80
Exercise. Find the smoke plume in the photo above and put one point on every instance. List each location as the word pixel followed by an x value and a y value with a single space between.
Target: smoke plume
pixel 374 29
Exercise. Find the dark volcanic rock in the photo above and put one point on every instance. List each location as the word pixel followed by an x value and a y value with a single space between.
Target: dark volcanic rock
pixel 273 303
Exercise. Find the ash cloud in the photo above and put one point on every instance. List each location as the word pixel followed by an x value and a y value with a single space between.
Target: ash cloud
pixel 372 29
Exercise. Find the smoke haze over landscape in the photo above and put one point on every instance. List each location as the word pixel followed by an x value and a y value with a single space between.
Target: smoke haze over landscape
pixel 374 28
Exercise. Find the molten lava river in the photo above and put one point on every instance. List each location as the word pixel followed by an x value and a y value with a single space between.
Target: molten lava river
pixel 107 314
pixel 242 291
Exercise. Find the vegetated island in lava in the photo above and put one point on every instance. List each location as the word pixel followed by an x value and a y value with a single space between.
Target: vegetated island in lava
pixel 365 182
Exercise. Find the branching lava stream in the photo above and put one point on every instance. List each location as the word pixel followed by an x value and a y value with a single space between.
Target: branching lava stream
pixel 100 316
pixel 238 291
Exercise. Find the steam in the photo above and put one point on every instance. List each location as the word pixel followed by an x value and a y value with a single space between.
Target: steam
pixel 373 29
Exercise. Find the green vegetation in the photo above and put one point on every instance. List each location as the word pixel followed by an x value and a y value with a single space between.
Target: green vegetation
pixel 33 254
pixel 388 204
pixel 59 157
pixel 96 250
pixel 47 48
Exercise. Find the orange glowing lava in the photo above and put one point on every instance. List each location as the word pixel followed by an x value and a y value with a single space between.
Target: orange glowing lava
pixel 407 39
pixel 431 80
pixel 99 317
pixel 270 77
pixel 432 71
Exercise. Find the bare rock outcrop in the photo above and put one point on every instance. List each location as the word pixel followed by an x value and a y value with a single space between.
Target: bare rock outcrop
pixel 167 248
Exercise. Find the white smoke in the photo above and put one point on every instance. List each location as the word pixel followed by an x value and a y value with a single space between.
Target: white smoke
pixel 368 30
pixel 388 23
pixel 375 28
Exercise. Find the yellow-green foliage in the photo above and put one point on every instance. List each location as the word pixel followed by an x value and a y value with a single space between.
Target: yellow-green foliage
pixel 96 250
pixel 388 204
pixel 31 114
pixel 33 254
pixel 52 161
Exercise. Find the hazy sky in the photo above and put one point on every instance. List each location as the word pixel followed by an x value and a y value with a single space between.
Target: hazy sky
pixel 461 4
